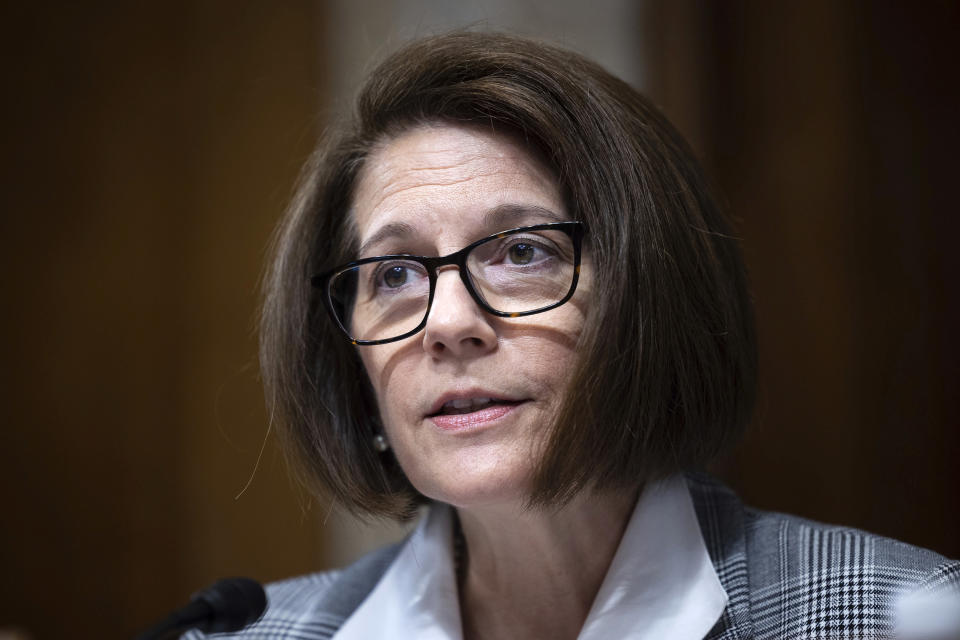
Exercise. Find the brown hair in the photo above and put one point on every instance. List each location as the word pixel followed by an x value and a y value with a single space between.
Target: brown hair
pixel 667 368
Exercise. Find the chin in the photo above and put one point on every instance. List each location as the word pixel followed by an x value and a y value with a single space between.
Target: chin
pixel 465 489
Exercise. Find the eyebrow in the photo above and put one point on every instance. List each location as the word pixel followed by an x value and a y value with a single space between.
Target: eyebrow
pixel 516 215
pixel 387 231
pixel 499 218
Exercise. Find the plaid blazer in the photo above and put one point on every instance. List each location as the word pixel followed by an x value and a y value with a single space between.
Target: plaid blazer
pixel 786 578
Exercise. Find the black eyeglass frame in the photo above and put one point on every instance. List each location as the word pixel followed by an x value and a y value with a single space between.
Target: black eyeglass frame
pixel 574 229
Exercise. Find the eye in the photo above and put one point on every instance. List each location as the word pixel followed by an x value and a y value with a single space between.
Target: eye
pixel 521 253
pixel 395 276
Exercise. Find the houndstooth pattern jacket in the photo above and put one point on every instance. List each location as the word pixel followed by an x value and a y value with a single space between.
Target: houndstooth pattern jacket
pixel 786 578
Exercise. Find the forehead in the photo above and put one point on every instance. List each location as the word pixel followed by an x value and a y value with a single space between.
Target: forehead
pixel 449 183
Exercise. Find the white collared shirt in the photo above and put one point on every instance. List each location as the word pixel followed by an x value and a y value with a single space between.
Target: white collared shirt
pixel 661 583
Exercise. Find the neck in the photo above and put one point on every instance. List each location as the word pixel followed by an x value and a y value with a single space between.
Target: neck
pixel 535 573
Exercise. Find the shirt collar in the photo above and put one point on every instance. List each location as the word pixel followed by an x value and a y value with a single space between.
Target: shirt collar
pixel 661 583
pixel 417 596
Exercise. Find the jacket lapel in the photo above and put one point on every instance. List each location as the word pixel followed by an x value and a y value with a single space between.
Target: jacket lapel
pixel 353 585
pixel 721 518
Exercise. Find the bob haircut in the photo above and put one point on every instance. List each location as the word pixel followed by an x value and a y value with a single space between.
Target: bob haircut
pixel 665 378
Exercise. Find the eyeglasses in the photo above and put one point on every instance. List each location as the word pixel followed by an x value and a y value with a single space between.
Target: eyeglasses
pixel 513 273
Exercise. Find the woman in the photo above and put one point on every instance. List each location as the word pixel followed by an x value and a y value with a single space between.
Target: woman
pixel 504 289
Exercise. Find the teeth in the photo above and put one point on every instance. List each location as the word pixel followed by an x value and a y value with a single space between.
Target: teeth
pixel 468 404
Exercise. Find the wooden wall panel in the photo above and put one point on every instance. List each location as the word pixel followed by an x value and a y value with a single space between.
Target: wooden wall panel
pixel 830 129
pixel 148 151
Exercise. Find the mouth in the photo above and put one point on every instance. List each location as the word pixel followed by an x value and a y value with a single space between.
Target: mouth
pixel 469 413
pixel 461 406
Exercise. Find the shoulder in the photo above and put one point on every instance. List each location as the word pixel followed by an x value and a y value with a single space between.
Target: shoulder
pixel 814 579
pixel 806 547
pixel 802 578
pixel 314 606
pixel 824 579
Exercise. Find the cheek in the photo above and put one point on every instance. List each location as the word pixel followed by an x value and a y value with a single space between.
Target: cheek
pixel 374 366
pixel 548 364
pixel 389 379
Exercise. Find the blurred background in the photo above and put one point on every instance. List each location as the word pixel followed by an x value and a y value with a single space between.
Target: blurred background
pixel 150 149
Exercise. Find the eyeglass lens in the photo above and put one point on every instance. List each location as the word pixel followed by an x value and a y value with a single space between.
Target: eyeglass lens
pixel 520 272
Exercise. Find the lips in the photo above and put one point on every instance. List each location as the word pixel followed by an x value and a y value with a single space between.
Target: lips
pixel 468 402
pixel 466 405
pixel 479 420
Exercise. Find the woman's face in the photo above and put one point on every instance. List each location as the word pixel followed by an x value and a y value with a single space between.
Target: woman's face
pixel 432 191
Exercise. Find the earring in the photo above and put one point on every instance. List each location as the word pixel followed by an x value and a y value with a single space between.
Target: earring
pixel 380 443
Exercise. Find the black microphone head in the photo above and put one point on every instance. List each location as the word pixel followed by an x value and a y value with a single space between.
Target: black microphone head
pixel 234 603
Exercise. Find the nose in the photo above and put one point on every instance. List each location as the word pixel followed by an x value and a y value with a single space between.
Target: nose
pixel 456 326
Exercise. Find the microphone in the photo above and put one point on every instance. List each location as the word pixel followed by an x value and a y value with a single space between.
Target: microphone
pixel 227 605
